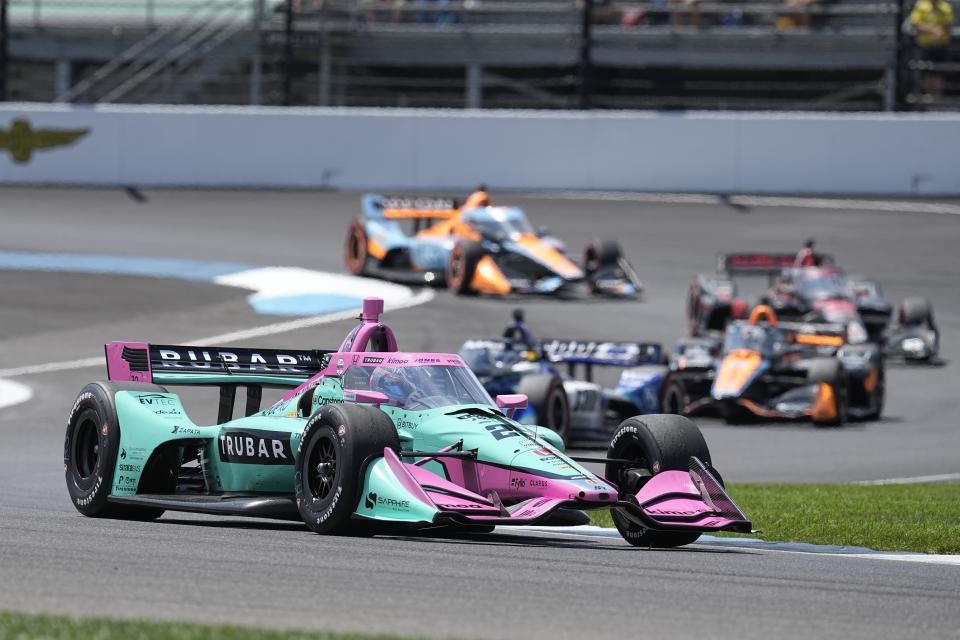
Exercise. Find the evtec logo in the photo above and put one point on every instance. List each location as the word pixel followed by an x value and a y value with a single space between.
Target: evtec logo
pixel 156 400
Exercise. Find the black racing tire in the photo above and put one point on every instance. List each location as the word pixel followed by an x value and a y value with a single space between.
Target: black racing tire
pixel 341 437
pixel 356 253
pixel 673 395
pixel 464 259
pixel 831 371
pixel 875 398
pixel 90 449
pixel 734 413
pixel 657 443
pixel 915 311
pixel 879 395
pixel 600 253
pixel 545 393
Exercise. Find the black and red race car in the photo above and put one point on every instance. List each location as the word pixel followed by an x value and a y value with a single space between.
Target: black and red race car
pixel 810 287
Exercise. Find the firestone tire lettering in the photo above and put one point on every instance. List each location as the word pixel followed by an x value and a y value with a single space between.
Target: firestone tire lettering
pixel 93 433
pixel 356 434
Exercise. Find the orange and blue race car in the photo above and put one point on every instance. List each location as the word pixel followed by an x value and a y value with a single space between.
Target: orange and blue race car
pixel 764 368
pixel 477 248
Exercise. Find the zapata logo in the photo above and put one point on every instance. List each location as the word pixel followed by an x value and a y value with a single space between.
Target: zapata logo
pixel 20 140
pixel 371 500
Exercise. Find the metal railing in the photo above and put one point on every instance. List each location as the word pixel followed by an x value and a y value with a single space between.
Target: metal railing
pixel 430 53
pixel 147 14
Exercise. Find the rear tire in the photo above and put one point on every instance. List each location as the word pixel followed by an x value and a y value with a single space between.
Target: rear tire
pixel 545 393
pixel 328 476
pixel 464 259
pixel 600 253
pixel 831 372
pixel 656 443
pixel 91 445
pixel 673 396
pixel 356 251
pixel 915 311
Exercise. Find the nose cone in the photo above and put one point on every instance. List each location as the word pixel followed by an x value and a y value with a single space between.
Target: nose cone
pixel 737 371
pixel 549 256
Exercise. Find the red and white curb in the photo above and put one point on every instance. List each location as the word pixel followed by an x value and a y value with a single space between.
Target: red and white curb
pixel 592 531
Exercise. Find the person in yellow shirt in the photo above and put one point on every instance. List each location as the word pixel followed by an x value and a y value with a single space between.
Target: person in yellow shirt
pixel 932 19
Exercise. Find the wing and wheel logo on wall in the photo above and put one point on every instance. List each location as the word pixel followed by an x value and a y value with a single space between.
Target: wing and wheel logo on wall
pixel 21 140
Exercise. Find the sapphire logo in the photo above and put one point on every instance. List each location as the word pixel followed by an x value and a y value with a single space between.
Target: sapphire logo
pixel 371 500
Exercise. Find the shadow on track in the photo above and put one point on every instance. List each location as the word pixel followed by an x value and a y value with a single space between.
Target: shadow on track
pixel 563 541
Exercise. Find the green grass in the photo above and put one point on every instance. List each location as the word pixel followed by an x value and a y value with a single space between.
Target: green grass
pixel 22 626
pixel 919 517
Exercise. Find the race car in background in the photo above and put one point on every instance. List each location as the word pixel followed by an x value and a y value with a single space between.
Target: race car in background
pixel 814 289
pixel 764 368
pixel 476 248
pixel 557 378
pixel 369 439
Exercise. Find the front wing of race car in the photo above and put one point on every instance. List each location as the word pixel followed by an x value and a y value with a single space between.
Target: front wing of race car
pixel 406 493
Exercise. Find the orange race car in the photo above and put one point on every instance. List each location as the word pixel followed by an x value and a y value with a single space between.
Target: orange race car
pixel 476 248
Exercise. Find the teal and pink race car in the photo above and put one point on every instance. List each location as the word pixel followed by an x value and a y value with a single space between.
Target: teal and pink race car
pixel 369 439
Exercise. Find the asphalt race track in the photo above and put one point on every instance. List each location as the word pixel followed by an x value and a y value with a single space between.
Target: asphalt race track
pixel 501 585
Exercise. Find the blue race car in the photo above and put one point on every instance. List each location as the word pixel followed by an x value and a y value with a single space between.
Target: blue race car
pixel 563 397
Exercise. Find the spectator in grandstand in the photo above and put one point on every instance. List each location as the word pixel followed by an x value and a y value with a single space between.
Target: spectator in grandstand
pixel 437 17
pixel 931 21
pixel 687 13
pixel 802 18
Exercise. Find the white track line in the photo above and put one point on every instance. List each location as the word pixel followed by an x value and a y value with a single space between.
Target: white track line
pixel 886 206
pixel 235 336
pixel 13 393
pixel 591 531
pixel 943 477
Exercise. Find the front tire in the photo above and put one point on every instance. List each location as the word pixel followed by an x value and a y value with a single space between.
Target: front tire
pixel 831 372
pixel 328 479
pixel 545 393
pixel 656 443
pixel 464 259
pixel 91 445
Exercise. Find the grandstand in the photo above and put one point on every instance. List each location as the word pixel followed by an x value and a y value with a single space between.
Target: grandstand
pixel 667 54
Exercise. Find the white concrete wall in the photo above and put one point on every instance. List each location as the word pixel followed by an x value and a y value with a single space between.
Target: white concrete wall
pixel 453 150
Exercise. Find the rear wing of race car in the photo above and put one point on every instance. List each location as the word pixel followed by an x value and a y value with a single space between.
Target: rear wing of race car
pixel 604 354
pixel 409 207
pixel 762 263
pixel 225 367
pixel 193 365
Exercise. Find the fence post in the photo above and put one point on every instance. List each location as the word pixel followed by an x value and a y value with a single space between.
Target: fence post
pixel 256 63
pixel 586 62
pixel 899 58
pixel 4 49
pixel 288 57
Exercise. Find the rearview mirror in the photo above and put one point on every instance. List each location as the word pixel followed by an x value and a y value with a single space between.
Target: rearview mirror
pixel 367 397
pixel 510 403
